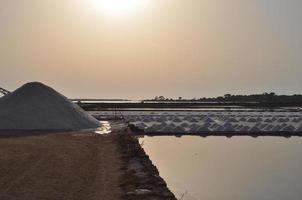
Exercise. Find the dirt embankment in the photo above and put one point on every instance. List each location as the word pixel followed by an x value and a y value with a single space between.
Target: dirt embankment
pixel 141 180
pixel 71 166
pixel 78 166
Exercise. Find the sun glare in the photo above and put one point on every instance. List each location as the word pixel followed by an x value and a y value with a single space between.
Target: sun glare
pixel 118 7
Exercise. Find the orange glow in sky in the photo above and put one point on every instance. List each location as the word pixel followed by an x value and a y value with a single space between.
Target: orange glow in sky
pixel 145 48
pixel 117 7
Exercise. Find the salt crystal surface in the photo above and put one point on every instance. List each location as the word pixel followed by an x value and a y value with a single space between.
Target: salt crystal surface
pixel 211 121
pixel 35 106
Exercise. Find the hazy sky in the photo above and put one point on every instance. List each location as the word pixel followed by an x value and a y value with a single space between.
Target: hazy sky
pixel 189 48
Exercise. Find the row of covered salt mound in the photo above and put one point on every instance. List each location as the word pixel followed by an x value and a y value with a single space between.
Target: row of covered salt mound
pixel 35 106
pixel 223 122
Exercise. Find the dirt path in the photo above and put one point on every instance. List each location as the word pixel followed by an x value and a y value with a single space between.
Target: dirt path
pixel 60 166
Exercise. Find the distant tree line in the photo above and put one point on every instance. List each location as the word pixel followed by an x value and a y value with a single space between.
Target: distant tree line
pixel 258 98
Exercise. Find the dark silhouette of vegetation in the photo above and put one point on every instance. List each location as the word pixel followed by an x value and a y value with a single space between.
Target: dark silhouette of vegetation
pixel 265 100
pixel 254 98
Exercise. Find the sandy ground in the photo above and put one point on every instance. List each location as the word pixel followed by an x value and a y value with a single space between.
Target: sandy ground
pixel 65 166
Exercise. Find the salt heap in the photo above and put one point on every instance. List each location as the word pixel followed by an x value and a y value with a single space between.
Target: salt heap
pixel 35 106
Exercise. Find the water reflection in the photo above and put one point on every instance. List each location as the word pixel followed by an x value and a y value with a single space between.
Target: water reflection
pixel 105 128
pixel 245 168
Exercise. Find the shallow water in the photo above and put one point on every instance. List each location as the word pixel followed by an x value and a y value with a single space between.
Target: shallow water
pixel 215 168
pixel 105 128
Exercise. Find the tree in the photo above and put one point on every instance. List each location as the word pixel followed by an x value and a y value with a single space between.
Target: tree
pixel 227 96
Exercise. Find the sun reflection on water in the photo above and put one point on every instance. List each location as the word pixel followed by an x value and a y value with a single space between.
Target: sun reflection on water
pixel 104 129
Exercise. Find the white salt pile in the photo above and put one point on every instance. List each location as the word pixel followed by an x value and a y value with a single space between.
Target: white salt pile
pixel 35 106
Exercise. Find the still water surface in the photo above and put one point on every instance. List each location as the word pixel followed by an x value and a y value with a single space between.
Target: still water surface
pixel 216 168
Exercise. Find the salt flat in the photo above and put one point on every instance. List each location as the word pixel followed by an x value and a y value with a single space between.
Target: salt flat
pixel 212 121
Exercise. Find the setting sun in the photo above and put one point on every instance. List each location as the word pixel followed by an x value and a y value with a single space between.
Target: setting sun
pixel 118 7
